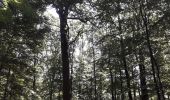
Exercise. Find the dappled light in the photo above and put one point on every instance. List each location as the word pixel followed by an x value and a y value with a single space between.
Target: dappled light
pixel 84 50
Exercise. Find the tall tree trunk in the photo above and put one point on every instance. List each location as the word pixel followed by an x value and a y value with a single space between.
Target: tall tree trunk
pixel 111 80
pixel 121 85
pixel 143 85
pixel 154 65
pixel 94 69
pixel 71 61
pixel 126 71
pixel 115 85
pixel 63 14
pixel 79 90
pixel 111 75
pixel 100 89
pixel 123 57
pixel 51 85
pixel 139 91
pixel 34 78
pixel 134 84
pixel 91 88
pixel 60 88
pixel 5 95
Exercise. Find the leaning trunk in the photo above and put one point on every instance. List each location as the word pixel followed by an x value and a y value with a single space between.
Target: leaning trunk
pixel 154 65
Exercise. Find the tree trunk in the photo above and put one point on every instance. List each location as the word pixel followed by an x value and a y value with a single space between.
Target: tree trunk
pixel 126 72
pixel 79 90
pixel 139 91
pixel 51 85
pixel 101 89
pixel 121 86
pixel 71 61
pixel 60 88
pixel 91 88
pixel 115 85
pixel 6 85
pixel 111 80
pixel 63 14
pixel 34 78
pixel 134 84
pixel 124 61
pixel 111 76
pixel 94 69
pixel 143 86
pixel 154 65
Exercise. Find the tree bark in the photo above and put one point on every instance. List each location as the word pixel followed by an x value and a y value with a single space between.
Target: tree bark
pixel 111 79
pixel 51 85
pixel 123 57
pixel 126 70
pixel 63 14
pixel 34 78
pixel 94 69
pixel 154 65
pixel 134 84
pixel 111 75
pixel 6 85
pixel 143 85
pixel 71 61
pixel 115 90
pixel 121 85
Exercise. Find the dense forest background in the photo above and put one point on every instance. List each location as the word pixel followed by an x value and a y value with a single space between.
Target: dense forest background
pixel 84 49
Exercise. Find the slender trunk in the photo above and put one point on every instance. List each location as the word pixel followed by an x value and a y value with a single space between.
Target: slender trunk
pixel 60 88
pixel 139 91
pixel 134 92
pixel 94 70
pixel 111 76
pixel 34 83
pixel 34 78
pixel 51 85
pixel 154 65
pixel 126 72
pixel 101 88
pixel 91 88
pixel 71 80
pixel 63 13
pixel 51 91
pixel 143 85
pixel 111 79
pixel 115 85
pixel 6 85
pixel 134 84
pixel 124 61
pixel 142 90
pixel 79 90
pixel 72 60
pixel 121 85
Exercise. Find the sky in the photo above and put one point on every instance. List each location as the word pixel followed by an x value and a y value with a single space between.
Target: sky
pixel 52 11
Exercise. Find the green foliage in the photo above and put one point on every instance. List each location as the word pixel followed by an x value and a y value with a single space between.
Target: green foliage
pixel 114 34
pixel 13 7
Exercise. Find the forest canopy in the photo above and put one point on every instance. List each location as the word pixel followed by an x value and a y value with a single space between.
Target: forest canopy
pixel 84 49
